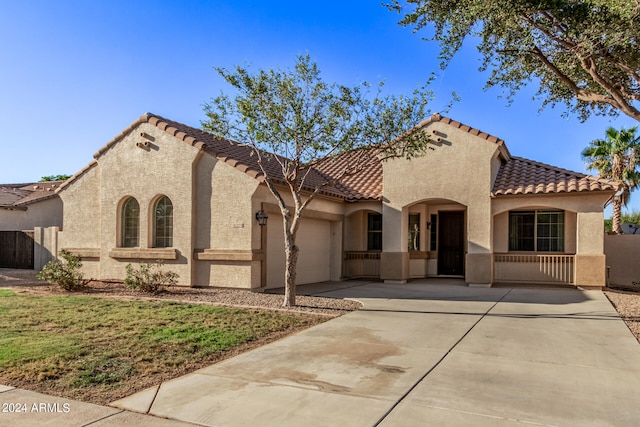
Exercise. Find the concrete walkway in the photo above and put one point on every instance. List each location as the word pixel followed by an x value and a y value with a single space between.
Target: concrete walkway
pixel 424 354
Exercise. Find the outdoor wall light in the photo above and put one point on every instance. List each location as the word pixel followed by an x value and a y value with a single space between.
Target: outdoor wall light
pixel 262 217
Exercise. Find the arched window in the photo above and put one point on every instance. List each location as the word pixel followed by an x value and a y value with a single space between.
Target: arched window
pixel 130 223
pixel 163 223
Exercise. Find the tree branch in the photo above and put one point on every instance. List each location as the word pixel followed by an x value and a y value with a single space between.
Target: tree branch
pixel 616 99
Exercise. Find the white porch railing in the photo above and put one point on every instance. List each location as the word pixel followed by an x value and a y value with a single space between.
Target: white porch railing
pixel 534 268
pixel 361 264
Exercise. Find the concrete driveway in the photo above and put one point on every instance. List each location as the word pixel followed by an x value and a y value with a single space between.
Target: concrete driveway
pixel 425 354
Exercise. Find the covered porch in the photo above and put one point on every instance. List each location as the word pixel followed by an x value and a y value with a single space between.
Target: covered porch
pixel 436 242
pixel 431 233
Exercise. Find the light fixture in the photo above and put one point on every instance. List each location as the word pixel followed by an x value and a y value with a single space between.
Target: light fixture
pixel 428 225
pixel 262 217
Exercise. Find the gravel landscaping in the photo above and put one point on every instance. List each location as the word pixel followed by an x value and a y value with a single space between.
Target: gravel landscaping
pixel 626 301
pixel 25 281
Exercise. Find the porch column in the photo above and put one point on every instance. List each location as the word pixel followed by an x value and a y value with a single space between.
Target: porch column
pixel 394 259
pixel 479 260
pixel 479 269
pixel 336 250
pixel 590 261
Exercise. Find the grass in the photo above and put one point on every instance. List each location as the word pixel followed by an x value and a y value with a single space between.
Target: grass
pixel 99 350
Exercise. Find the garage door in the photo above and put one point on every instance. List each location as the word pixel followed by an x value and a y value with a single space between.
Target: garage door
pixel 314 262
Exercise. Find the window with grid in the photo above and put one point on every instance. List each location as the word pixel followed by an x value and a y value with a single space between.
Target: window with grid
pixel 130 224
pixel 540 230
pixel 163 223
pixel 374 232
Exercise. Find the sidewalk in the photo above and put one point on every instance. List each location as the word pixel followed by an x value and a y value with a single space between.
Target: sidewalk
pixel 20 408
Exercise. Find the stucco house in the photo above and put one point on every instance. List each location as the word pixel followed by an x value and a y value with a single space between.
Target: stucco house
pixel 466 209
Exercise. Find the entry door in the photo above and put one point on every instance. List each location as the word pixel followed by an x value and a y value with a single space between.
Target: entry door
pixel 451 243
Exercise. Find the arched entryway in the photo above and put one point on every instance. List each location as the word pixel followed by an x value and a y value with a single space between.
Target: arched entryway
pixel 363 242
pixel 436 234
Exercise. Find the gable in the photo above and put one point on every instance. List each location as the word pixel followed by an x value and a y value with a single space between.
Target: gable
pixel 237 155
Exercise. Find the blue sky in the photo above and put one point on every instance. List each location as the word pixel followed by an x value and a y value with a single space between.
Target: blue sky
pixel 74 74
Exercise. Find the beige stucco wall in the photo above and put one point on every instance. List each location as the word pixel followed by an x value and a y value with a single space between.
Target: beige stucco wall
pixel 46 213
pixel 459 170
pixel 224 223
pixel 623 259
pixel 224 216
pixel 82 216
pixel 93 200
pixel 163 169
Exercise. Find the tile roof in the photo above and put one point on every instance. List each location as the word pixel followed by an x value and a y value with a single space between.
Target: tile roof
pixel 520 176
pixel 238 155
pixel 516 176
pixel 20 195
pixel 364 185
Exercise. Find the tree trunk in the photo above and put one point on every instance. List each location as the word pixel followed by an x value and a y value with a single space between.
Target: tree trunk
pixel 291 260
pixel 291 252
pixel 617 212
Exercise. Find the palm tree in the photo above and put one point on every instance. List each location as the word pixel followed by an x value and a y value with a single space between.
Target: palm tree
pixel 616 157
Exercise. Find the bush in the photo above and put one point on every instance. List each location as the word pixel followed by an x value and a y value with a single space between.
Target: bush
pixel 149 278
pixel 66 273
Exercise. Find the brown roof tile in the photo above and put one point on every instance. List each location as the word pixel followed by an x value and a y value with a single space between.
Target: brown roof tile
pixel 519 176
pixel 516 176
pixel 238 155
pixel 366 184
pixel 20 195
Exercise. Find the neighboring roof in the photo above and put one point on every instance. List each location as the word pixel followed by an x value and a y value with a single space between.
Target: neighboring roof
pixel 520 176
pixel 20 195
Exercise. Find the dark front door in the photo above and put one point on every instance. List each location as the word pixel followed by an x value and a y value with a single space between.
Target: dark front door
pixel 451 243
pixel 16 249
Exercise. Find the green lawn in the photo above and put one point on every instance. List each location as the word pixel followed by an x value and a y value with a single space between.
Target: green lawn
pixel 98 349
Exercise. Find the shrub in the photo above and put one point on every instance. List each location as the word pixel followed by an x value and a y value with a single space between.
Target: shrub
pixel 149 278
pixel 66 273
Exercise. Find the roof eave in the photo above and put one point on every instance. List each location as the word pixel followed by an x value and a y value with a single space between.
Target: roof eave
pixel 493 195
pixel 14 208
pixel 51 195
